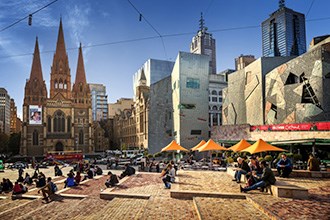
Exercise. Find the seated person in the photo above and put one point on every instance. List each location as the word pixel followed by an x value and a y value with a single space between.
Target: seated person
pixel 6 187
pixel 90 174
pixel 243 168
pixel 168 175
pixel 48 190
pixel 112 181
pixel 313 164
pixel 69 181
pixel 41 181
pixel 284 166
pixel 20 179
pixel 267 178
pixel 254 168
pixel 35 175
pixel 58 171
pixel 19 189
pixel 98 170
pixel 77 178
pixel 129 171
pixel 28 179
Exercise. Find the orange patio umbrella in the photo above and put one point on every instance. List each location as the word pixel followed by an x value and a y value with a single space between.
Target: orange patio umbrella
pixel 261 146
pixel 240 146
pixel 210 145
pixel 198 145
pixel 173 146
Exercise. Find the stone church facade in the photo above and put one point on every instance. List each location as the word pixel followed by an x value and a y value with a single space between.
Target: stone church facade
pixel 61 121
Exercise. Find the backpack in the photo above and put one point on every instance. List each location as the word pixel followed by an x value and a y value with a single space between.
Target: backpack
pixel 53 187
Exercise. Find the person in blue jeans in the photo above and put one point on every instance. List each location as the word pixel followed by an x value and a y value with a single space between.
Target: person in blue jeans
pixel 284 166
pixel 267 178
pixel 243 168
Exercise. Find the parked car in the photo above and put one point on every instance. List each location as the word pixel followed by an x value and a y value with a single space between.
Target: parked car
pixel 17 165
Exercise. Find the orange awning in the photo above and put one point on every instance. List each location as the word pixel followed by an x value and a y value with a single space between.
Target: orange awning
pixel 261 146
pixel 211 145
pixel 240 146
pixel 198 145
pixel 173 146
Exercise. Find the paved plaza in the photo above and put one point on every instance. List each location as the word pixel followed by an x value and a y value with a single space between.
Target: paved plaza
pixel 84 202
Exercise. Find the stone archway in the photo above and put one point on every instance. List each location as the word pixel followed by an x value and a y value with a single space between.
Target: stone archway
pixel 59 146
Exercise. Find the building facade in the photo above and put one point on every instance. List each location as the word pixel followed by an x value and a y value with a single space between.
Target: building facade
pixel 297 91
pixel 62 121
pixel 15 122
pixel 244 98
pixel 153 70
pixel 5 110
pixel 283 33
pixel 217 83
pixel 190 83
pixel 120 105
pixel 204 43
pixel 243 60
pixel 99 99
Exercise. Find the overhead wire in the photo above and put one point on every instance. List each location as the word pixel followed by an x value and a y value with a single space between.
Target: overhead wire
pixel 19 20
pixel 310 7
pixel 155 37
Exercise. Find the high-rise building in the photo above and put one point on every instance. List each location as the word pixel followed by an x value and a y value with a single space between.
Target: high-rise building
pixel 13 117
pixel 63 121
pixel 5 110
pixel 204 43
pixel 283 33
pixel 99 101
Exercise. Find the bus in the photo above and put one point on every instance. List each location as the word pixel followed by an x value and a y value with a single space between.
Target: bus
pixel 69 156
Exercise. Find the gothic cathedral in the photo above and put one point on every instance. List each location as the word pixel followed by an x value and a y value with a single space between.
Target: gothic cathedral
pixel 62 121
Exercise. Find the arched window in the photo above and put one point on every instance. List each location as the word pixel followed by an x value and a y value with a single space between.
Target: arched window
pixel 214 108
pixel 81 137
pixel 214 92
pixel 56 84
pixel 35 138
pixel 220 93
pixel 65 85
pixel 69 124
pixel 49 124
pixel 60 86
pixel 59 121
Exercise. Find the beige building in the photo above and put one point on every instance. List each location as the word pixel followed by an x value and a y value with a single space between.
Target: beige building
pixel 120 105
pixel 243 60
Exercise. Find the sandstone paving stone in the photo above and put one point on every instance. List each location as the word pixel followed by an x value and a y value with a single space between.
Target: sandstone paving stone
pixel 150 184
pixel 21 209
pixel 118 208
pixel 218 208
pixel 92 187
pixel 207 181
pixel 7 204
pixel 169 208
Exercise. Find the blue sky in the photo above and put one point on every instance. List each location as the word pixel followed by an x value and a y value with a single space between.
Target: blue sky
pixel 109 22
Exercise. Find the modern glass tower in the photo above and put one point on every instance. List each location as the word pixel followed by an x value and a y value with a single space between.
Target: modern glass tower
pixel 99 100
pixel 283 33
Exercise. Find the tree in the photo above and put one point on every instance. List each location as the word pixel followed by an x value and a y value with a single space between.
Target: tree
pixel 14 143
pixel 4 139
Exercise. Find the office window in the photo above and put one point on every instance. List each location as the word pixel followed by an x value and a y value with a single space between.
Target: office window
pixel 192 83
pixel 196 132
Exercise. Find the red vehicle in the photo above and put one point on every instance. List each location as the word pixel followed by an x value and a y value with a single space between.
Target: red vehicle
pixel 65 155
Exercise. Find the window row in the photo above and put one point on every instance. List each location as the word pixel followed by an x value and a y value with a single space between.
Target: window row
pixel 214 92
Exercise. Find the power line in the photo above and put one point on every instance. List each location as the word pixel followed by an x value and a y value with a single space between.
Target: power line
pixel 18 21
pixel 155 37
pixel 310 7
pixel 144 18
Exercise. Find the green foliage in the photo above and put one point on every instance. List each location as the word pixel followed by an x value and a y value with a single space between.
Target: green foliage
pixel 4 140
pixel 268 158
pixel 261 159
pixel 159 154
pixel 230 160
pixel 150 156
pixel 297 157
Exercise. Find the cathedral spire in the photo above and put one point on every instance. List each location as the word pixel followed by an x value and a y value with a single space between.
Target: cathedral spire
pixel 80 75
pixel 36 71
pixel 60 46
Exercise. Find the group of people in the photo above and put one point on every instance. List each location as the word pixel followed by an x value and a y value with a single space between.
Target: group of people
pixel 114 179
pixel 258 174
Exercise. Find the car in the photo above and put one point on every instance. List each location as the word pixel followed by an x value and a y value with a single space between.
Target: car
pixel 17 165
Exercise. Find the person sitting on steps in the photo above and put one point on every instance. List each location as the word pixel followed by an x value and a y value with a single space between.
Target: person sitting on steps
pixel 284 166
pixel 243 168
pixel 112 181
pixel 267 178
